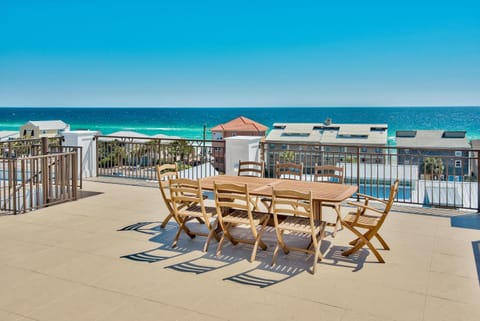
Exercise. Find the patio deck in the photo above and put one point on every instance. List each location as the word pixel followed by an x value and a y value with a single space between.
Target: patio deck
pixel 104 257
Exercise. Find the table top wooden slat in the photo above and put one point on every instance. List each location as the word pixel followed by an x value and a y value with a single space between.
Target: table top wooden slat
pixel 324 192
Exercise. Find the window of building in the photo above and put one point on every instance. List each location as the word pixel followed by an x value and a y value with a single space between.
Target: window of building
pixel 24 132
pixel 458 164
pixel 378 150
pixel 363 149
pixel 458 153
pixel 32 133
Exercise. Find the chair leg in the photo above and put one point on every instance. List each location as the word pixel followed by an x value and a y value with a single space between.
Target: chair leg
pixel 382 241
pixel 258 240
pixel 212 233
pixel 363 240
pixel 177 235
pixel 220 245
pixel 165 221
pixel 275 254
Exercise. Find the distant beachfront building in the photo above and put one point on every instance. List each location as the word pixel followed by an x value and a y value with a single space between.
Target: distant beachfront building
pixel 241 126
pixel 327 143
pixel 6 135
pixel 48 128
pixel 475 143
pixel 422 146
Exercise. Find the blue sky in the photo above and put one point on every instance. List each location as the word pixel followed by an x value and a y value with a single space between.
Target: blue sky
pixel 239 53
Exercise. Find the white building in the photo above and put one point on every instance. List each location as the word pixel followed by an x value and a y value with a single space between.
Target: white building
pixel 47 128
pixel 6 135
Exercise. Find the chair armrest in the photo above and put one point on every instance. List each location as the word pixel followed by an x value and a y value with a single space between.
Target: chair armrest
pixel 371 198
pixel 365 207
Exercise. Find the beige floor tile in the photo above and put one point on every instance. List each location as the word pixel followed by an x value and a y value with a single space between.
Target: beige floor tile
pixel 463 266
pixel 362 316
pixel 89 256
pixel 44 259
pixel 84 268
pixel 35 292
pixel 83 304
pixel 389 303
pixel 145 310
pixel 454 288
pixel 7 316
pixel 446 310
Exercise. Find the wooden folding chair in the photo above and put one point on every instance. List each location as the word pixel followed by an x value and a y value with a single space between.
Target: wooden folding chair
pixel 234 208
pixel 187 204
pixel 250 168
pixel 330 174
pixel 164 173
pixel 291 171
pixel 292 212
pixel 370 219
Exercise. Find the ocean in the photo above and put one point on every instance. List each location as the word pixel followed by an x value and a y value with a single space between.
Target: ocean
pixel 190 122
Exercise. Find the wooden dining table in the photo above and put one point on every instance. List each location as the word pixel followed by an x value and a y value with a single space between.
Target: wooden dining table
pixel 259 186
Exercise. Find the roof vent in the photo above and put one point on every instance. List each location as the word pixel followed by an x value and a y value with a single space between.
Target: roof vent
pixel 454 134
pixel 406 133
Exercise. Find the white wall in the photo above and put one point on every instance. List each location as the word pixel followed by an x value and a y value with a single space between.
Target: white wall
pixel 84 139
pixel 245 148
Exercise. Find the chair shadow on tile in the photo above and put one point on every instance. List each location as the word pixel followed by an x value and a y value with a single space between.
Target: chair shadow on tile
pixel 150 228
pixel 287 265
pixel 356 260
pixel 264 274
pixel 158 254
pixel 206 263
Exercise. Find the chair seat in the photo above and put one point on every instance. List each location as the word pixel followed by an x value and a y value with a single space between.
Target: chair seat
pixel 196 211
pixel 241 217
pixel 363 220
pixel 300 224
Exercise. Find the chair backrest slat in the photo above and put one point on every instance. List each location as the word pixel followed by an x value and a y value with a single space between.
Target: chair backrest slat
pixel 290 202
pixel 164 174
pixel 184 190
pixel 391 197
pixel 290 171
pixel 329 173
pixel 250 168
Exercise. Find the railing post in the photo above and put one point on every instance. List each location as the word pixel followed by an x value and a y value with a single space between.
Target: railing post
pixel 358 171
pixel 44 142
pixel 74 165
pixel 478 180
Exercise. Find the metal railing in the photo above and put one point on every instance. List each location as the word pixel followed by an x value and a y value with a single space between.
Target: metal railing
pixel 428 177
pixel 27 147
pixel 133 157
pixel 34 182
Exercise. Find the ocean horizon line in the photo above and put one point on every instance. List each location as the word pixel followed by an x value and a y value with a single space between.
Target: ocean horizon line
pixel 252 107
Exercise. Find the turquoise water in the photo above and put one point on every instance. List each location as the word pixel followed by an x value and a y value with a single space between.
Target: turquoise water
pixel 189 122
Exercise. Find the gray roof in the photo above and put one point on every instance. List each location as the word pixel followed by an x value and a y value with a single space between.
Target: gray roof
pixel 475 143
pixel 8 134
pixel 344 134
pixel 48 124
pixel 432 138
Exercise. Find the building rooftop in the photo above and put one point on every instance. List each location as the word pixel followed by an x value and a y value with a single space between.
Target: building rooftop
pixel 8 134
pixel 48 124
pixel 104 257
pixel 241 124
pixel 432 138
pixel 345 134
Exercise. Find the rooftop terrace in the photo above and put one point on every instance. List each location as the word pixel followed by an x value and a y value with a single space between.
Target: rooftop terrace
pixel 104 257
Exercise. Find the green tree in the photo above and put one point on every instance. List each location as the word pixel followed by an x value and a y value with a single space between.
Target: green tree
pixel 180 150
pixel 433 167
